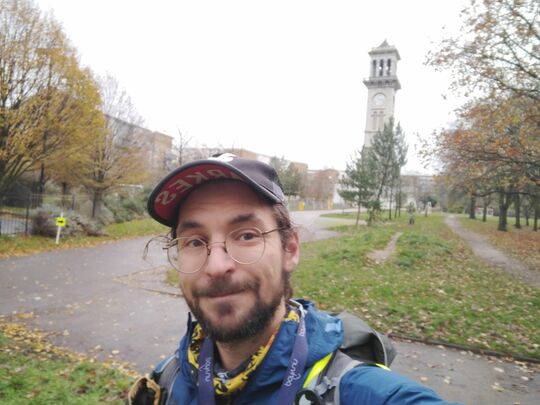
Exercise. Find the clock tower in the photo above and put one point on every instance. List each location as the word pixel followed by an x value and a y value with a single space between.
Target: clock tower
pixel 382 85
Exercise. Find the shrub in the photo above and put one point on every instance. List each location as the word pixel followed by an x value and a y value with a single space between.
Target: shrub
pixel 44 223
pixel 126 207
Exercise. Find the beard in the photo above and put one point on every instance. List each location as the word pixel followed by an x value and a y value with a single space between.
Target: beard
pixel 249 325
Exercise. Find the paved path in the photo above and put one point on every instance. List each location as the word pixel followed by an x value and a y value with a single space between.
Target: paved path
pixel 84 294
pixel 492 256
pixel 104 299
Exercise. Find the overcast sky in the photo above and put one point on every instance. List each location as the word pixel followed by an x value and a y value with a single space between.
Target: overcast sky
pixel 280 77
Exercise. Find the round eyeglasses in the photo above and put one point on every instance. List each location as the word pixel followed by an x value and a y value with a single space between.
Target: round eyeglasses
pixel 188 254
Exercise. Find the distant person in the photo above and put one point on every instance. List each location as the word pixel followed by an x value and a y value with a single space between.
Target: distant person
pixel 235 248
pixel 411 209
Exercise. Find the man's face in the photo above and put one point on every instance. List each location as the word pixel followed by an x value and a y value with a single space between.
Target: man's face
pixel 233 301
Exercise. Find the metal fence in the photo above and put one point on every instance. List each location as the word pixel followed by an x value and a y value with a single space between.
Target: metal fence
pixel 16 210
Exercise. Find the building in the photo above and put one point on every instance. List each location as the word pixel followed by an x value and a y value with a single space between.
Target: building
pixel 321 189
pixel 416 186
pixel 382 86
pixel 159 155
pixel 157 148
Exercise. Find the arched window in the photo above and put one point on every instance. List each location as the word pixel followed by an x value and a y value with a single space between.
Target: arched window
pixel 381 67
pixel 388 67
pixel 374 68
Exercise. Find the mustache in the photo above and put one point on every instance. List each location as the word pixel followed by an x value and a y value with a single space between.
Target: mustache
pixel 220 287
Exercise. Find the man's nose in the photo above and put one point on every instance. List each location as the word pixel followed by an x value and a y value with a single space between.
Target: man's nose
pixel 218 261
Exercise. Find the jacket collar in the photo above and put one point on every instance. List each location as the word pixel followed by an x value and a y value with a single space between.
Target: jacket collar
pixel 324 334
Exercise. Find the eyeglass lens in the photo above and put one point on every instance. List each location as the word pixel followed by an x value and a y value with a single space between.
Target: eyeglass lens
pixel 189 254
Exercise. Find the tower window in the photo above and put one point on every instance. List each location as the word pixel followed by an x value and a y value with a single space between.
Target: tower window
pixel 381 67
pixel 374 68
pixel 377 121
pixel 388 67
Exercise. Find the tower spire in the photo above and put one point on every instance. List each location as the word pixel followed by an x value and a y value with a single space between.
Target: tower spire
pixel 382 85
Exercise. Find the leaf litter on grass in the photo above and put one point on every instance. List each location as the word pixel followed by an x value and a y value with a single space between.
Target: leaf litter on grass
pixel 521 244
pixel 433 288
pixel 35 372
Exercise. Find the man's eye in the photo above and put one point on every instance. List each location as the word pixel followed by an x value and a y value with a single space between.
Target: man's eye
pixel 191 243
pixel 247 235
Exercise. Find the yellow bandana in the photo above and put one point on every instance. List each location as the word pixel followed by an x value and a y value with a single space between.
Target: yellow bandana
pixel 236 383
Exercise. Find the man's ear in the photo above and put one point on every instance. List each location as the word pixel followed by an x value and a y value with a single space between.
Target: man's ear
pixel 291 253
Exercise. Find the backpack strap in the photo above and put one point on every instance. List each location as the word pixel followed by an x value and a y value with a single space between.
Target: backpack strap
pixel 341 364
pixel 165 373
pixel 144 391
pixel 154 389
pixel 322 384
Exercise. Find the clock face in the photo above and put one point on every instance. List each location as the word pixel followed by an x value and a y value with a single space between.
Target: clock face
pixel 379 99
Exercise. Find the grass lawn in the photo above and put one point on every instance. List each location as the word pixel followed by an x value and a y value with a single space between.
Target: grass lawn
pixel 522 244
pixel 20 246
pixel 34 372
pixel 433 287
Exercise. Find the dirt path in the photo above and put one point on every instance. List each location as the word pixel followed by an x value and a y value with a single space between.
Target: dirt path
pixel 379 256
pixel 490 255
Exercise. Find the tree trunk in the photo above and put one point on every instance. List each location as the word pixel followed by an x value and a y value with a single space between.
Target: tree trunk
pixel 398 201
pixel 65 197
pixel 96 203
pixel 536 215
pixel 503 210
pixel 517 208
pixel 472 207
pixel 527 213
pixel 358 213
pixel 390 203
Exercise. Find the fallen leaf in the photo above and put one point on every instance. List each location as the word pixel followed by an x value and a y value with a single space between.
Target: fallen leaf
pixel 497 387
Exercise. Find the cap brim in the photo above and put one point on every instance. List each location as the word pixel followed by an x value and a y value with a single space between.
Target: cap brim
pixel 166 197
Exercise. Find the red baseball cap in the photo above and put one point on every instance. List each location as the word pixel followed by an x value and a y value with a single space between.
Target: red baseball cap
pixel 166 197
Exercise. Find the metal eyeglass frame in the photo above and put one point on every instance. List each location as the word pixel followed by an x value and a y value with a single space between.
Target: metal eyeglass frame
pixel 173 243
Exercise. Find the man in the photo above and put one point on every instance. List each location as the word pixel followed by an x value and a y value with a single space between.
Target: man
pixel 235 248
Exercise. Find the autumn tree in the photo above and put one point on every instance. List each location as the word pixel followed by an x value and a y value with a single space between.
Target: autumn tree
pixel 320 185
pixel 497 49
pixel 47 102
pixel 492 149
pixel 115 157
pixel 496 59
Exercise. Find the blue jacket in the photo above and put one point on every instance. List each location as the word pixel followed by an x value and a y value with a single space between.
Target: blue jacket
pixel 361 386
